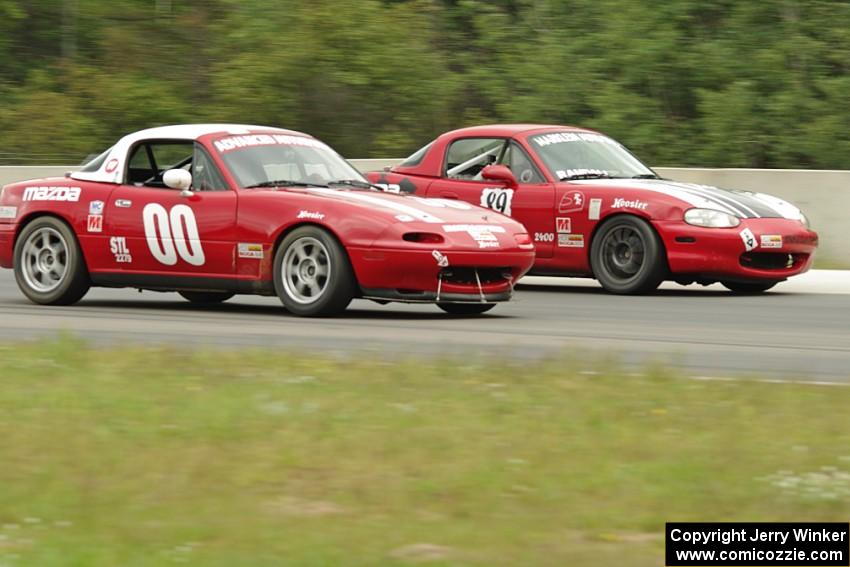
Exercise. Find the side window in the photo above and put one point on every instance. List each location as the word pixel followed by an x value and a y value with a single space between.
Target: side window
pixel 149 160
pixel 466 158
pixel 521 165
pixel 139 166
pixel 205 175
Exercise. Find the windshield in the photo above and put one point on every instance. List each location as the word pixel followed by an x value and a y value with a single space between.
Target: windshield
pixel 260 159
pixel 577 155
pixel 416 157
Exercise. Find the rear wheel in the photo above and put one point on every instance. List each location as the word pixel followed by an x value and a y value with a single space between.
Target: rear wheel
pixel 627 256
pixel 49 265
pixel 206 297
pixel 466 308
pixel 312 274
pixel 749 287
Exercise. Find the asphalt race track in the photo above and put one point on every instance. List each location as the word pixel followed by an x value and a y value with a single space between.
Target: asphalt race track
pixel 798 331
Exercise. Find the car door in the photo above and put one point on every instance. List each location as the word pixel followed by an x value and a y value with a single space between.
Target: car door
pixel 158 231
pixel 530 200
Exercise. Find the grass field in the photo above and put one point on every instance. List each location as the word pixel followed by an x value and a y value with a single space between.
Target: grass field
pixel 140 456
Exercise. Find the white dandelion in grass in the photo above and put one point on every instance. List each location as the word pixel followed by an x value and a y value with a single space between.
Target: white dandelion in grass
pixel 302 379
pixel 825 483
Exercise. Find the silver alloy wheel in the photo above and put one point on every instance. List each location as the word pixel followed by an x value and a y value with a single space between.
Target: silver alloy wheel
pixel 306 270
pixel 44 260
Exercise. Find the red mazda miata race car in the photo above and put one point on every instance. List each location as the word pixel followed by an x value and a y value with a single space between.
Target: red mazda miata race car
pixel 595 210
pixel 212 210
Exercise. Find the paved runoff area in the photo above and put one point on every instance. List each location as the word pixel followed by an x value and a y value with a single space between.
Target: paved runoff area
pixel 799 331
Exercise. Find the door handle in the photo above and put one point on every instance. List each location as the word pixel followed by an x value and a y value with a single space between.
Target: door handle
pixel 447 195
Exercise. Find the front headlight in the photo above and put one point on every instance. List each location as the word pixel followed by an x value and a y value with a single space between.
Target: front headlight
pixel 711 219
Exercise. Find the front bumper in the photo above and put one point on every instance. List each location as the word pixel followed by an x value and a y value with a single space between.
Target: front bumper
pixel 415 275
pixel 779 249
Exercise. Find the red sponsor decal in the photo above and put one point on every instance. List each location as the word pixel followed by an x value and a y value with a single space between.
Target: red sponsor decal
pixel 111 165
pixel 95 223
pixel 571 202
pixel 563 224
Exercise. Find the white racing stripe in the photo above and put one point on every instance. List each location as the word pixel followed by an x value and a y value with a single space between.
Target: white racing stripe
pixel 379 202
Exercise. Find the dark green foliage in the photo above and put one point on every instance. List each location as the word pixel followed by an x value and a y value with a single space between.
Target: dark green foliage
pixel 728 83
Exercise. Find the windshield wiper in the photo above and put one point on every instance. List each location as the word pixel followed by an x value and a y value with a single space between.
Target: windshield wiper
pixel 645 176
pixel 589 175
pixel 284 183
pixel 355 183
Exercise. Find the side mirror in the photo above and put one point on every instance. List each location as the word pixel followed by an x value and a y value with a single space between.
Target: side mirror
pixel 499 173
pixel 177 179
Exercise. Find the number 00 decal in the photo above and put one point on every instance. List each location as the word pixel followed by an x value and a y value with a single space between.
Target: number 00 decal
pixel 173 234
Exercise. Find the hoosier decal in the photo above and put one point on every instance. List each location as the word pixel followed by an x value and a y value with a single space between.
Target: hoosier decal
pixel 620 203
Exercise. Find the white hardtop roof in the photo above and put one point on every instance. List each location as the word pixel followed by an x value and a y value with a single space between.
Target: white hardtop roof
pixel 112 167
pixel 195 131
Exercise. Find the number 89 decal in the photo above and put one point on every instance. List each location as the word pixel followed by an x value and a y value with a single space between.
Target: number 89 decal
pixel 167 237
pixel 497 199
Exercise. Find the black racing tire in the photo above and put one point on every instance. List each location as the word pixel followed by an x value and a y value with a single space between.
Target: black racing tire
pixel 627 256
pixel 749 287
pixel 49 264
pixel 206 297
pixel 312 273
pixel 466 308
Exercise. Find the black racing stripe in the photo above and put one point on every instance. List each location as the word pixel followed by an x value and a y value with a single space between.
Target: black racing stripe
pixel 742 199
pixel 764 209
pixel 707 196
pixel 720 198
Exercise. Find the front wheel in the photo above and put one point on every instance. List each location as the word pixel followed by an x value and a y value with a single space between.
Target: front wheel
pixel 627 256
pixel 206 297
pixel 749 287
pixel 49 265
pixel 466 308
pixel 312 274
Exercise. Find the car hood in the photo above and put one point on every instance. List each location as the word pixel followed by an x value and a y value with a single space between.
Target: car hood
pixel 743 204
pixel 408 208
